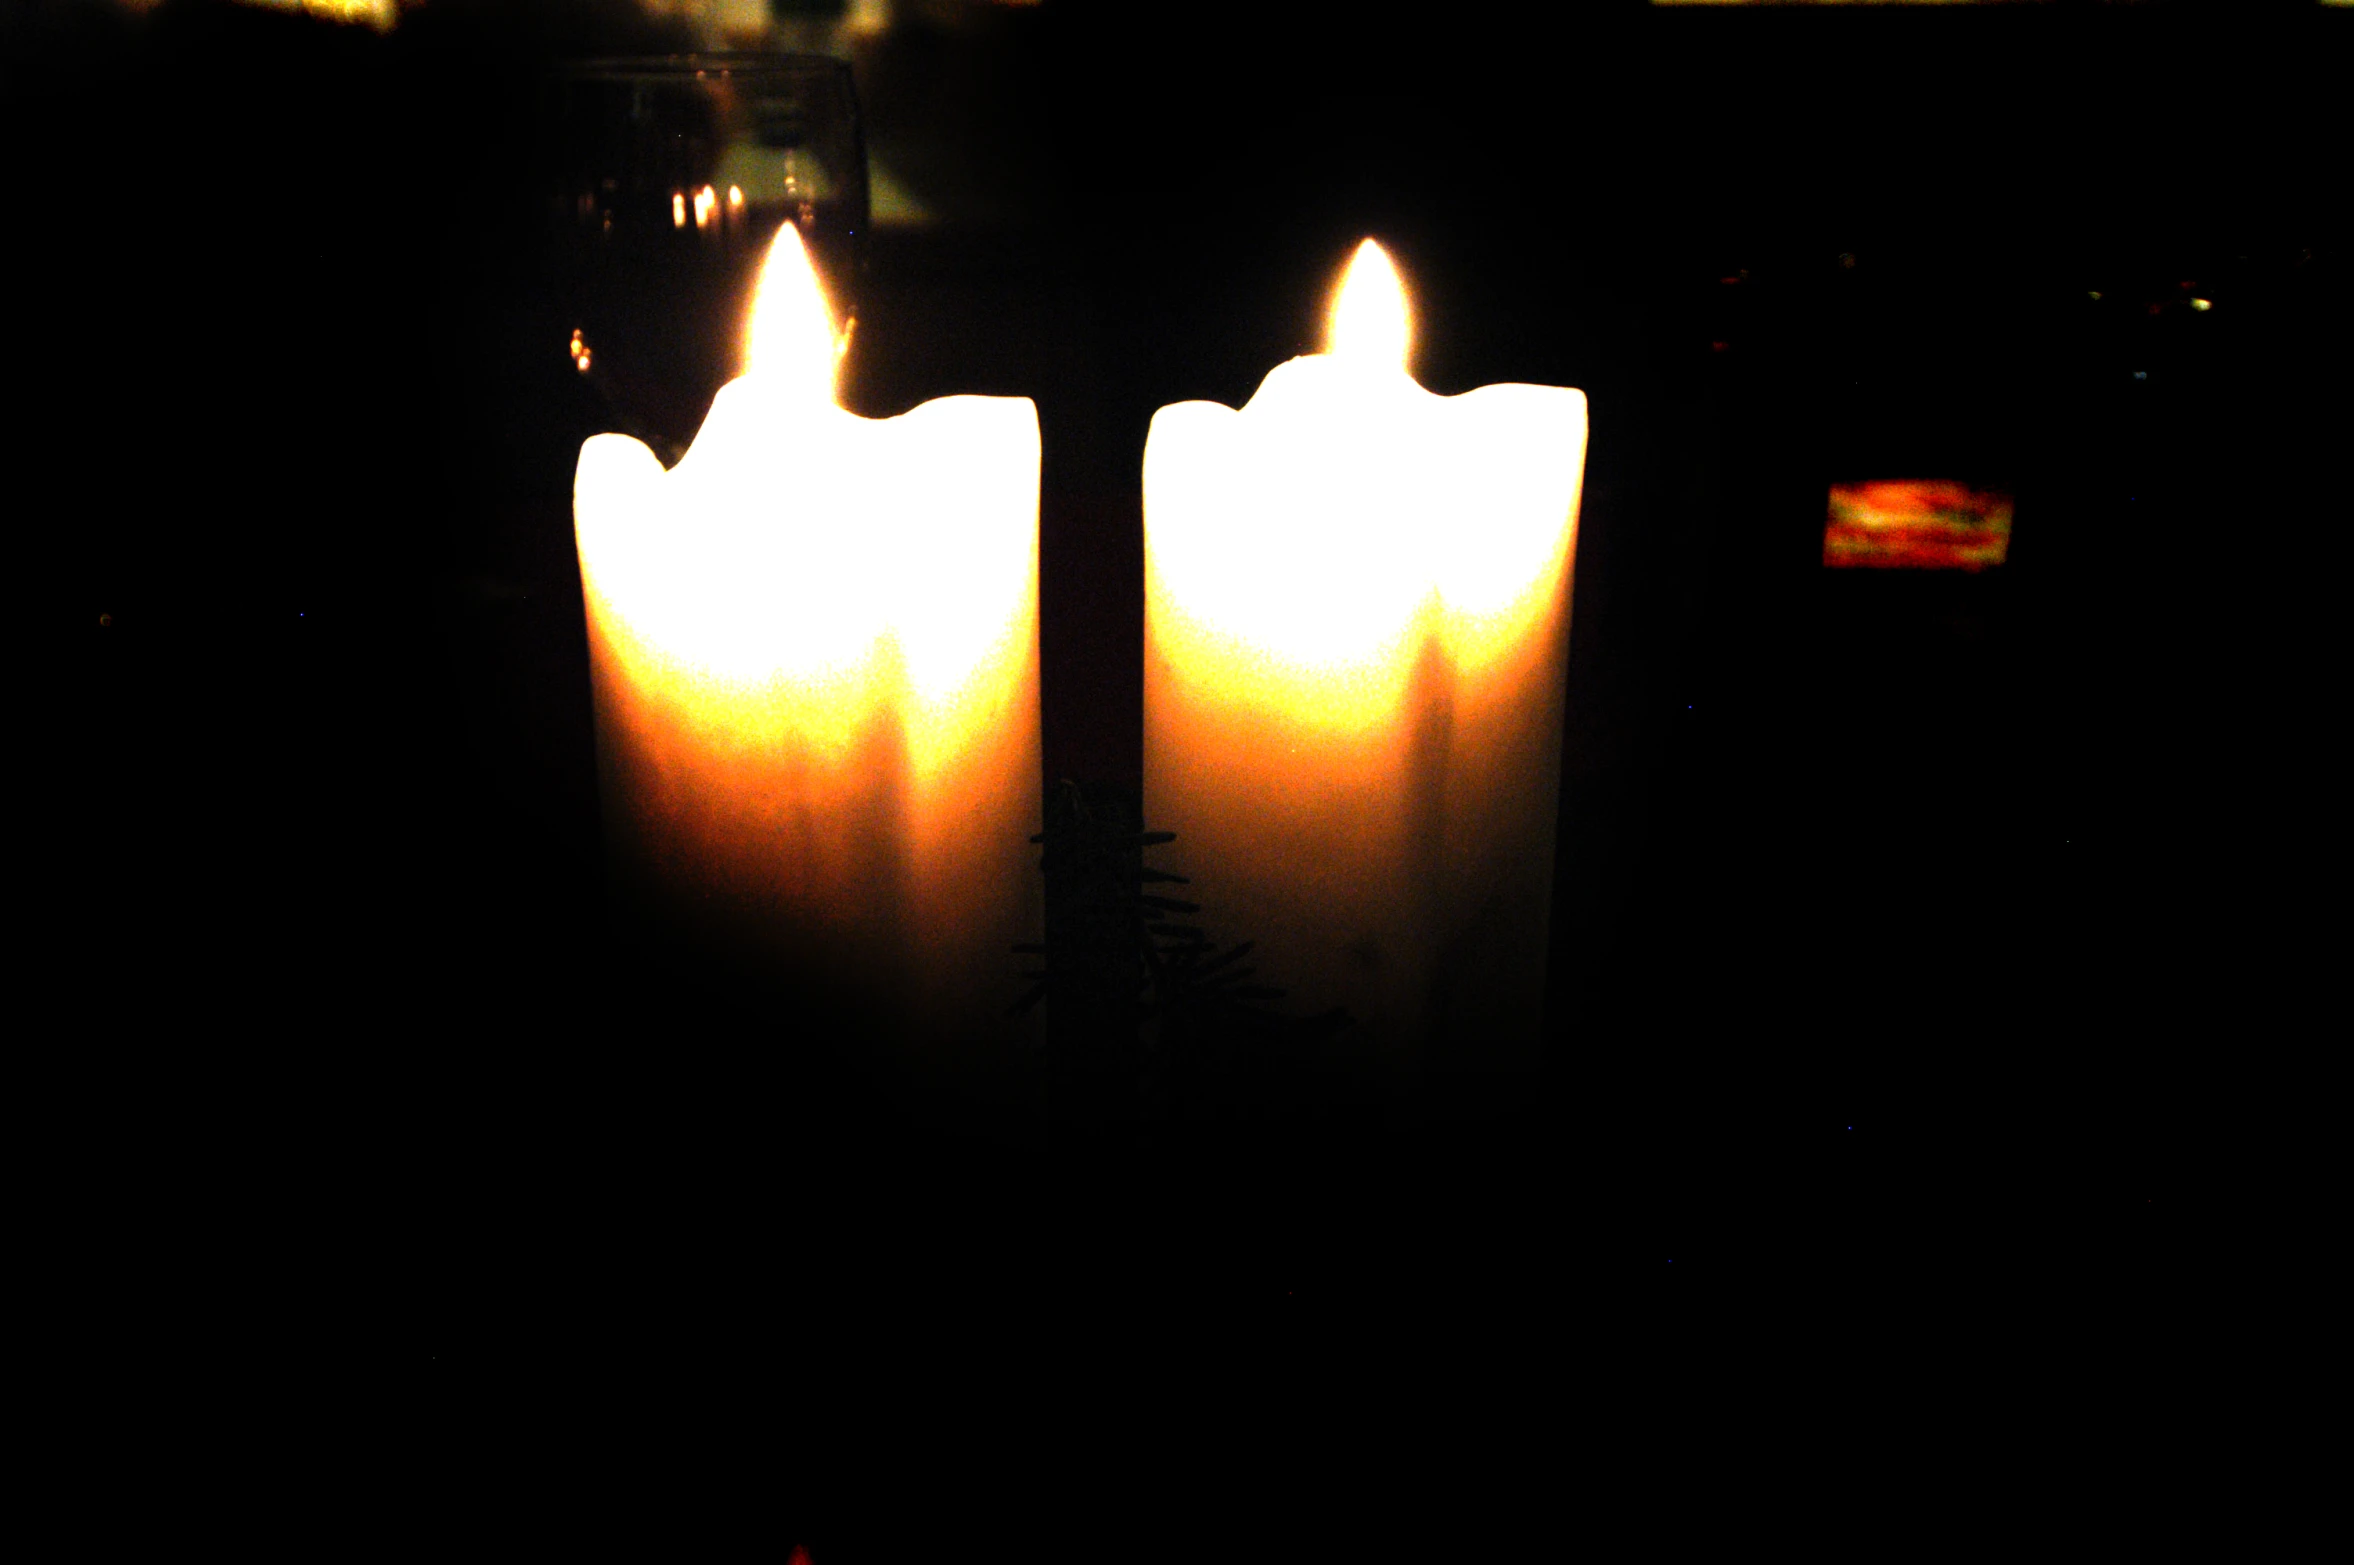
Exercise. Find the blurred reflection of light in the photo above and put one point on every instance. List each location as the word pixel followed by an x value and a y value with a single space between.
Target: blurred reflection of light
pixel 379 14
pixel 580 352
pixel 678 209
pixel 735 197
pixel 2094 296
pixel 2202 305
pixel 1920 524
pixel 706 202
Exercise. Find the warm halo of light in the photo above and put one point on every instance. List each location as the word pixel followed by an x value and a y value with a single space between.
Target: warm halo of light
pixel 1304 553
pixel 790 341
pixel 726 593
pixel 1299 552
pixel 1370 320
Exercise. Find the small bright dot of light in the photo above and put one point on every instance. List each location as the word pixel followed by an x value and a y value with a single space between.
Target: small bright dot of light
pixel 2202 304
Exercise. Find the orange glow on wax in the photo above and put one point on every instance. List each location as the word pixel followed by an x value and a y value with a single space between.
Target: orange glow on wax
pixel 813 651
pixel 1356 623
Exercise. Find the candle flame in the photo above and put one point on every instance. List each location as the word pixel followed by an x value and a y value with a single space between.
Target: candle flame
pixel 791 342
pixel 1370 322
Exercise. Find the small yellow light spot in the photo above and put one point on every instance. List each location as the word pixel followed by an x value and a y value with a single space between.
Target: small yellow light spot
pixel 678 209
pixel 735 197
pixel 2202 305
pixel 706 202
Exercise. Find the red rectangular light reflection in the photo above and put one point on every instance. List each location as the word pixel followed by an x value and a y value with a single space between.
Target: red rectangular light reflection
pixel 1917 524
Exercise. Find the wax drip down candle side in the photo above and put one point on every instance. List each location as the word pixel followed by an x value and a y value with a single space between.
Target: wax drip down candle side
pixel 1357 615
pixel 814 659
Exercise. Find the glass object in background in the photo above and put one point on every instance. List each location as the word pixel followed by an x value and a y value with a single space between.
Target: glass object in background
pixel 671 176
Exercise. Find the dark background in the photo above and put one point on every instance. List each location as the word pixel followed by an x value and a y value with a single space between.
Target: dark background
pixel 1910 931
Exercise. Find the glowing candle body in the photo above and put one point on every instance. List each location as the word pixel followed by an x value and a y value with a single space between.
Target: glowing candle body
pixel 814 655
pixel 1356 623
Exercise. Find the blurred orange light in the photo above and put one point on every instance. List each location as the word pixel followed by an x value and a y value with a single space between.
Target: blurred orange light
pixel 382 15
pixel 1917 524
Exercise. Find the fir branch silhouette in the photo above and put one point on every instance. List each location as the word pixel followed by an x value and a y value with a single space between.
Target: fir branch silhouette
pixel 1197 988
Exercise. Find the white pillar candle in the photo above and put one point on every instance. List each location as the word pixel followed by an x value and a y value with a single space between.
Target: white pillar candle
pixel 1356 625
pixel 814 650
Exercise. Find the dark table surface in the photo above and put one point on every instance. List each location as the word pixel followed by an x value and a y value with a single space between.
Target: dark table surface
pixel 1899 920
